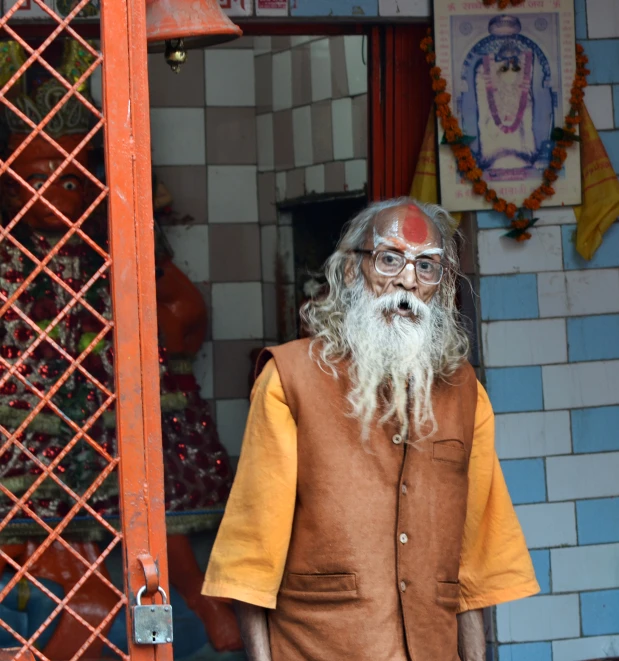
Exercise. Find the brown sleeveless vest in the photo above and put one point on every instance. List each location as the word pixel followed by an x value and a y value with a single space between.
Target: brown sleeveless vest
pixel 372 568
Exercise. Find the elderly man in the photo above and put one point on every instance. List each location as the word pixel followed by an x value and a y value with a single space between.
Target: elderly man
pixel 369 519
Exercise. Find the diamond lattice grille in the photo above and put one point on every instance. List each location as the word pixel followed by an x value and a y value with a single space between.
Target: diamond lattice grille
pixel 56 397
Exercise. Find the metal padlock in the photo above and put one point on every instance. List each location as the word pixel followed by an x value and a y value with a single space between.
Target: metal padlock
pixel 152 624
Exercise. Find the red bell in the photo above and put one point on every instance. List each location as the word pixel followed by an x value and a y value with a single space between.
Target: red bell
pixel 198 23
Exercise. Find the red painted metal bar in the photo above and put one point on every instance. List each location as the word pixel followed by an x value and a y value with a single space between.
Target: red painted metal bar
pixel 133 288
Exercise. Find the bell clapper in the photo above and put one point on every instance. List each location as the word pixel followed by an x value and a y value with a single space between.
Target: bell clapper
pixel 175 54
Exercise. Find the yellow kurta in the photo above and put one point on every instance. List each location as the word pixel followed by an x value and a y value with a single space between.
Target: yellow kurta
pixel 249 556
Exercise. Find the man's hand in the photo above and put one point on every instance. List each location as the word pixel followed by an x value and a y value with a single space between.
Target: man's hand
pixel 254 631
pixel 471 636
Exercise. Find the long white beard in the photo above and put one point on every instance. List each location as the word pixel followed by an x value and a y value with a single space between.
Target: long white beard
pixel 389 353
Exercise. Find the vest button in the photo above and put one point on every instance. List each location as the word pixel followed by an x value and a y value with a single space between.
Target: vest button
pixel 402 586
pixel 397 439
pixel 404 538
pixel 404 489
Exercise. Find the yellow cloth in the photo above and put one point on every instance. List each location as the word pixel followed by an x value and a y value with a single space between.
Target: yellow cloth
pixel 248 559
pixel 600 190
pixel 425 187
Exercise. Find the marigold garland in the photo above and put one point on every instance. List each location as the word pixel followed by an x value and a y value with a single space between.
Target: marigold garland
pixel 466 163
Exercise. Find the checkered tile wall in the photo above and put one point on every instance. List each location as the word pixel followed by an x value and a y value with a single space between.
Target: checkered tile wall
pixel 241 127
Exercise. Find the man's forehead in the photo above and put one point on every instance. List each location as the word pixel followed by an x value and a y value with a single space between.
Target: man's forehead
pixel 406 225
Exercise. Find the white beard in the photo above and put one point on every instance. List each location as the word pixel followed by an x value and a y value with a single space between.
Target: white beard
pixel 388 353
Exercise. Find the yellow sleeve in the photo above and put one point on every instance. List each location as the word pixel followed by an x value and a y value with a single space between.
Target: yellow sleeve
pixel 249 555
pixel 495 564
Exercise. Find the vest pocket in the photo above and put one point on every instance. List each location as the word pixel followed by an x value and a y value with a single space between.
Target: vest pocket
pixel 450 451
pixel 448 594
pixel 321 586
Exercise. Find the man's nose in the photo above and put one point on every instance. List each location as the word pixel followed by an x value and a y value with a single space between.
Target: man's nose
pixel 407 278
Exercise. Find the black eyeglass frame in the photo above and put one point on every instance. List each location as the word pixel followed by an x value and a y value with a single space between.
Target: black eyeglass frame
pixel 417 260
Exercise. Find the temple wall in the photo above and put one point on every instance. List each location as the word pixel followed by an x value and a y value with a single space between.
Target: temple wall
pixel 241 127
pixel 550 336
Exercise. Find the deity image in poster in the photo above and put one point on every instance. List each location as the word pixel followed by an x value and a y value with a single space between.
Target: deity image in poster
pixel 509 76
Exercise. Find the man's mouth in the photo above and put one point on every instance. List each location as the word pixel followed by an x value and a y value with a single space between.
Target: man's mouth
pixel 404 309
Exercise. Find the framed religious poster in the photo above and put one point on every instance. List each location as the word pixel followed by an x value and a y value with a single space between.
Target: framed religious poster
pixel 510 74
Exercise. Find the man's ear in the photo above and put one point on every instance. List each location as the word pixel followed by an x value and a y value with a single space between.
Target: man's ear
pixel 350 270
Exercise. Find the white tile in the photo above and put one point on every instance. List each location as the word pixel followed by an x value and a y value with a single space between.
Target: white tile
pixel 531 342
pixel 232 194
pixel 520 435
pixel 583 475
pixel 266 145
pixel 28 10
pixel 341 115
pixel 280 186
pixel 315 179
pixel 498 254
pixel 356 173
pixel 231 420
pixel 599 103
pixel 190 246
pixel 584 649
pixel 203 370
pixel 355 48
pixel 262 45
pixel 581 384
pixel 177 136
pixel 302 136
pixel 303 39
pixel 419 8
pixel 548 524
pixel 282 80
pixel 229 77
pixel 585 568
pixel 285 251
pixel 237 311
pixel 569 293
pixel 555 216
pixel 320 54
pixel 268 246
pixel 538 618
pixel 602 19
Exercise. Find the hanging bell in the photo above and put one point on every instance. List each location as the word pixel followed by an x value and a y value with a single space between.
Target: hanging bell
pixel 175 26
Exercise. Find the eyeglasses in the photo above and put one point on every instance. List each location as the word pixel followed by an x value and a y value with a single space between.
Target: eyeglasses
pixel 391 264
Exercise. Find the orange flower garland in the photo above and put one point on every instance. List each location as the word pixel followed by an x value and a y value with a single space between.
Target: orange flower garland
pixel 467 165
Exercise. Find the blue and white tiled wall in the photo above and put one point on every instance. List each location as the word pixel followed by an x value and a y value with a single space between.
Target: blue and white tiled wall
pixel 550 337
pixel 550 334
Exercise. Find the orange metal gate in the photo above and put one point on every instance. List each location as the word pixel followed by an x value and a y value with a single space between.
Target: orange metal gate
pixel 136 458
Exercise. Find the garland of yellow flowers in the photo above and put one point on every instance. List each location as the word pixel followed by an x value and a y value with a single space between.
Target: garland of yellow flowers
pixel 467 165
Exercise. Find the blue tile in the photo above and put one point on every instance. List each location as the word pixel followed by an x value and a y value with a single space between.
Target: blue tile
pixel 616 104
pixel 526 480
pixel 334 8
pixel 607 254
pixel 598 520
pixel 541 563
pixel 509 297
pixel 600 612
pixel 610 139
pixel 580 18
pixel 603 55
pixel 593 338
pixel 514 389
pixel 489 220
pixel 526 652
pixel 595 429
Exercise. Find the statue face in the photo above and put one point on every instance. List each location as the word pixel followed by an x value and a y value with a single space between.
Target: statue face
pixel 36 164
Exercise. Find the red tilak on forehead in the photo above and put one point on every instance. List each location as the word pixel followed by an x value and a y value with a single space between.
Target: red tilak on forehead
pixel 415 226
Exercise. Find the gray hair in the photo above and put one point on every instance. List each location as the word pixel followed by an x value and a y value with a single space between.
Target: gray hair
pixel 323 316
